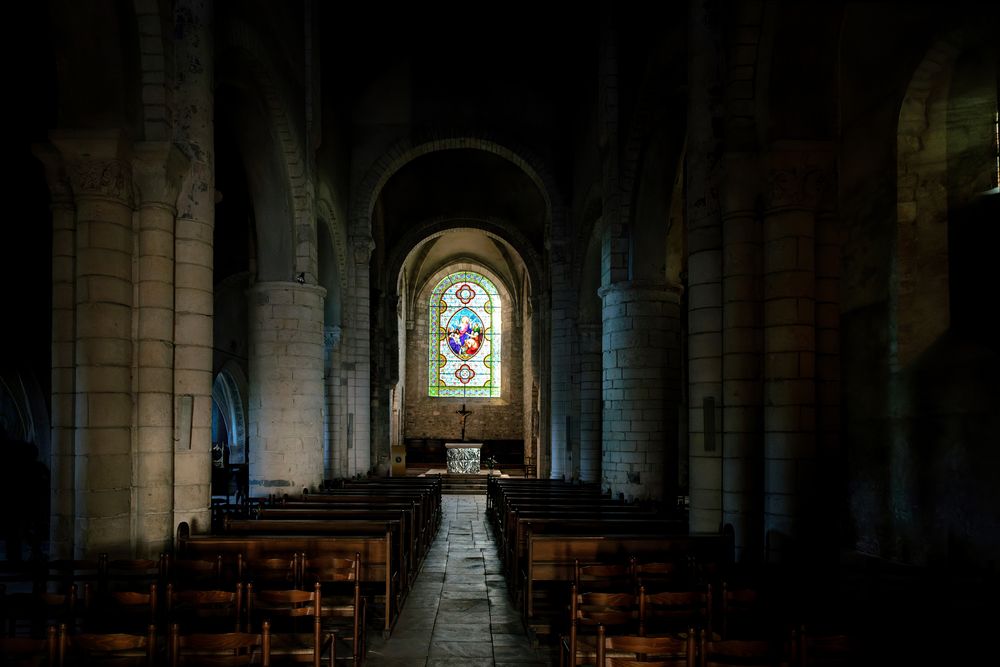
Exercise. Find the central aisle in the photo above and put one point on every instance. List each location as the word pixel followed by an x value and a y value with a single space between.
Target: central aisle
pixel 458 612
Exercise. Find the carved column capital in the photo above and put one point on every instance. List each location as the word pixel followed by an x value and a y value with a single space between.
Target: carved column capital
pixel 800 175
pixel 52 161
pixel 98 163
pixel 159 169
pixel 362 246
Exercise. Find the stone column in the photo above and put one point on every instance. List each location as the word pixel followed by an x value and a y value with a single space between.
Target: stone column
pixel 560 359
pixel 542 351
pixel 796 173
pixel 101 178
pixel 356 357
pixel 831 459
pixel 704 241
pixel 63 418
pixel 333 441
pixel 194 134
pixel 590 382
pixel 641 373
pixel 286 395
pixel 742 418
pixel 159 168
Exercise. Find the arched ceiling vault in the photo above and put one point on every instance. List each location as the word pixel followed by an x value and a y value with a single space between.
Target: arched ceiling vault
pixel 461 205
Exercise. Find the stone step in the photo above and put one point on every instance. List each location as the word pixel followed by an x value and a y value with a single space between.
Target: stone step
pixel 463 484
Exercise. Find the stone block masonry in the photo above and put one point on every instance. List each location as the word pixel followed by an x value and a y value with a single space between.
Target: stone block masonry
pixel 286 392
pixel 641 372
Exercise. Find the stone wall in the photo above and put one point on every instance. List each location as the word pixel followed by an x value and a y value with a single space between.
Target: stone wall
pixel 492 418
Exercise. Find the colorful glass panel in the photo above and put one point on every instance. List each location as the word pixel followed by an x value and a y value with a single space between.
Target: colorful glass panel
pixel 464 337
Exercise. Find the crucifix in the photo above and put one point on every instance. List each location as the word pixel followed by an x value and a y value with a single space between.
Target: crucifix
pixel 465 415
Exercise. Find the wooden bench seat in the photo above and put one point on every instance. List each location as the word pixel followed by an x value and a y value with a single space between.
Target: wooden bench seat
pixel 380 572
pixel 552 558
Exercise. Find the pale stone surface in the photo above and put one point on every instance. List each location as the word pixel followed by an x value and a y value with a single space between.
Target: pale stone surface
pixel 463 457
pixel 643 321
pixel 286 390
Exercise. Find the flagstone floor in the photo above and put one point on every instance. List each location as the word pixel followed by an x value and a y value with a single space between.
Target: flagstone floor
pixel 458 611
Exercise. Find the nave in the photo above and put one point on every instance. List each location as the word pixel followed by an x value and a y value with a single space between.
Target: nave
pixel 458 611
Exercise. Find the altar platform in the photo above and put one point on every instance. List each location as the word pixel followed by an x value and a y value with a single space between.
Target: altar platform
pixel 444 472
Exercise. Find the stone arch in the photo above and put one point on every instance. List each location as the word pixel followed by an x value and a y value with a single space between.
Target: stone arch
pixel 500 229
pixel 362 207
pixel 230 393
pixel 590 259
pixel 920 301
pixel 331 263
pixel 338 235
pixel 407 150
pixel 246 44
pixel 587 222
pixel 657 130
pixel 23 416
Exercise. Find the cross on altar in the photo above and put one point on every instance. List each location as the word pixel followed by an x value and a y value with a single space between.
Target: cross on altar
pixel 465 415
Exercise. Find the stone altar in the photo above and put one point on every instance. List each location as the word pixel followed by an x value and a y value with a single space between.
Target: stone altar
pixel 463 457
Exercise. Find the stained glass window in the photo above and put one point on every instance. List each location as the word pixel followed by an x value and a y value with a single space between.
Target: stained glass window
pixel 464 335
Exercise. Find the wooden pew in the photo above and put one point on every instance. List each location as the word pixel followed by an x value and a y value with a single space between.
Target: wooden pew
pixel 379 569
pixel 409 531
pixel 551 558
pixel 412 509
pixel 373 498
pixel 358 526
pixel 637 523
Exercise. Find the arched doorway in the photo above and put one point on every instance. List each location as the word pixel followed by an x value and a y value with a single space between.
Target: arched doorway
pixel 229 436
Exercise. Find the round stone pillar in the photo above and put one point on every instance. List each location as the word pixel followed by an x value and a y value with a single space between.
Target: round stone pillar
pixel 334 451
pixel 641 390
pixel 63 420
pixel 194 286
pixel 591 369
pixel 356 358
pixel 798 173
pixel 101 178
pixel 286 387
pixel 742 395
pixel 561 362
pixel 704 246
pixel 158 169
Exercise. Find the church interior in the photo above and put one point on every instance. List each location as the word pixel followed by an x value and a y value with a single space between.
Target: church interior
pixel 724 260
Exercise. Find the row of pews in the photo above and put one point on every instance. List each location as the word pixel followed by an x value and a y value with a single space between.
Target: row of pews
pixel 603 580
pixel 317 568
pixel 389 523
pixel 544 527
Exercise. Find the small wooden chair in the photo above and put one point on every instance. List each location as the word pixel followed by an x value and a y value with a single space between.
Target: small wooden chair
pixel 193 573
pixel 30 614
pixel 636 651
pixel 29 651
pixel 124 611
pixel 296 623
pixel 740 653
pixel 825 649
pixel 591 577
pixel 662 575
pixel 274 572
pixel 205 610
pixel 672 612
pixel 131 574
pixel 587 612
pixel 111 648
pixel 744 612
pixel 343 608
pixel 225 649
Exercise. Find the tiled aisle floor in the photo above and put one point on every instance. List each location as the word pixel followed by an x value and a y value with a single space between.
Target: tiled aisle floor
pixel 458 612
